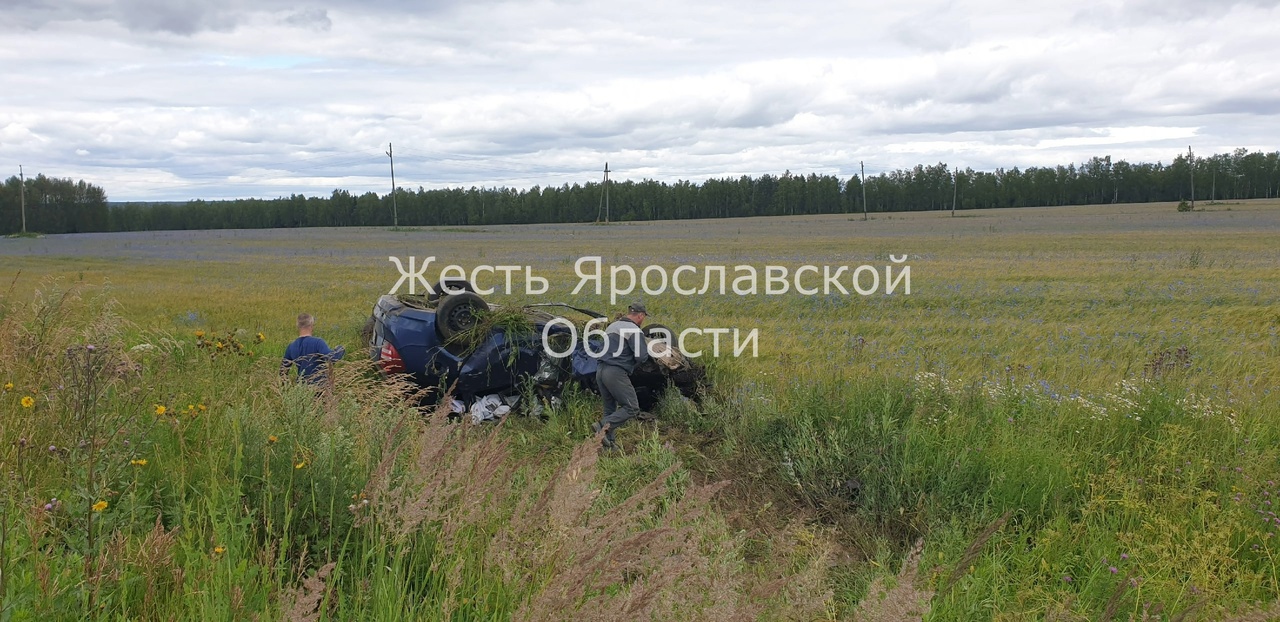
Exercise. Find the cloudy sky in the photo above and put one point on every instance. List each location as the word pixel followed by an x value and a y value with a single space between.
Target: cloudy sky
pixel 178 99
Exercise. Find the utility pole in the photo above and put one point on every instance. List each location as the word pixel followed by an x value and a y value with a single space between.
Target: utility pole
pixel 955 192
pixel 864 188
pixel 395 214
pixel 1191 158
pixel 22 185
pixel 606 192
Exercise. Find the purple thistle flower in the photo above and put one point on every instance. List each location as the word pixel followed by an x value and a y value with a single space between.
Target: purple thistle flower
pixel 1066 578
pixel 1113 570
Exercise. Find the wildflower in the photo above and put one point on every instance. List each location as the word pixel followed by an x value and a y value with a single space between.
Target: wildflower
pixel 160 410
pixel 261 337
pixel 219 550
pixel 1112 570
pixel 219 344
pixel 90 347
pixel 1124 557
pixel 53 448
pixel 199 334
pixel 8 386
pixel 271 440
pixel 300 464
pixel 139 462
pixel 99 506
pixel 28 401
pixel 1066 578
pixel 201 407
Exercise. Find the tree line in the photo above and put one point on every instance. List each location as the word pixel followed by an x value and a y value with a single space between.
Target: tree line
pixel 64 206
pixel 53 206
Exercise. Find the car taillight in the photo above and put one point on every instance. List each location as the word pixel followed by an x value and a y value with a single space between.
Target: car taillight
pixel 389 359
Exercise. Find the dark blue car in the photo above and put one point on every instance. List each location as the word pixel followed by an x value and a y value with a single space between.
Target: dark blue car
pixel 433 341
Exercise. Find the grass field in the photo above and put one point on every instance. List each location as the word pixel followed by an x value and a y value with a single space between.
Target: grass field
pixel 1073 412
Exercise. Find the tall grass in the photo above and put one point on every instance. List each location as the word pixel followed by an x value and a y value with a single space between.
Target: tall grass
pixel 161 483
pixel 1075 416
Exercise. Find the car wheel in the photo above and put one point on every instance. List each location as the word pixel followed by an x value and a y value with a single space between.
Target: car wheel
pixel 453 284
pixel 458 313
pixel 658 331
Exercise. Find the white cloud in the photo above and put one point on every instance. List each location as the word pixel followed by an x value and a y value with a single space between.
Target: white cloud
pixel 206 98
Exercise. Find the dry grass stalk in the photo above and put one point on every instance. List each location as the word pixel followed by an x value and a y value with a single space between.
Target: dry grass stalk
pixel 1113 603
pixel 303 602
pixel 906 600
pixel 1258 614
pixel 154 560
pixel 613 567
pixel 975 549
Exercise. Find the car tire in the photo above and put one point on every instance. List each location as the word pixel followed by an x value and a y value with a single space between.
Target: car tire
pixel 457 314
pixel 454 284
pixel 657 331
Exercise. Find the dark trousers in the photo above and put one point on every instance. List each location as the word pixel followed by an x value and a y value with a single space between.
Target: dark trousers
pixel 620 403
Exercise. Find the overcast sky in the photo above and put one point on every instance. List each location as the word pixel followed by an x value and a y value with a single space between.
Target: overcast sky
pixel 156 99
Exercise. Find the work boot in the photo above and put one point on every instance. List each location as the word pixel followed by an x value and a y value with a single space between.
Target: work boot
pixel 606 441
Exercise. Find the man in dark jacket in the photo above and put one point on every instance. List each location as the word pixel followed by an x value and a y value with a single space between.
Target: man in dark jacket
pixel 625 348
pixel 311 354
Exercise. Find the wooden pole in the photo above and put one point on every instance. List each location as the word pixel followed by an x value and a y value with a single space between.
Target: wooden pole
pixel 22 185
pixel 395 214
pixel 863 167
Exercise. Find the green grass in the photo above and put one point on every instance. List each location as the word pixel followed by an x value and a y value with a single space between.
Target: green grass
pixel 1101 377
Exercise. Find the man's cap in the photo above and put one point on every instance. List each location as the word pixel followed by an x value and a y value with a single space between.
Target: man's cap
pixel 637 307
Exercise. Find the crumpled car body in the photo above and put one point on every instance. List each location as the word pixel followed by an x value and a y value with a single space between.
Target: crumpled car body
pixel 408 336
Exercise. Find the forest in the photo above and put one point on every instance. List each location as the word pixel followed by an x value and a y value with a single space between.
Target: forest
pixel 67 206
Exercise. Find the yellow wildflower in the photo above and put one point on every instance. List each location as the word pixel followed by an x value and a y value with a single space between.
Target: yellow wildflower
pixel 139 462
pixel 28 401
pixel 261 337
pixel 199 334
pixel 219 344
pixel 300 464
pixel 99 506
pixel 160 410
pixel 272 439
pixel 8 386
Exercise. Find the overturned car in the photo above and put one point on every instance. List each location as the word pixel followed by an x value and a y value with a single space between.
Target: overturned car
pixel 495 358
